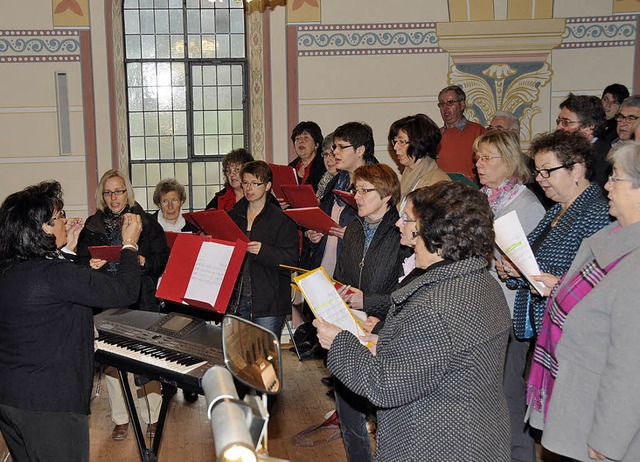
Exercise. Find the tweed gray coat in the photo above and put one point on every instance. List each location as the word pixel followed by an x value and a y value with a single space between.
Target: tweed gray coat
pixel 437 376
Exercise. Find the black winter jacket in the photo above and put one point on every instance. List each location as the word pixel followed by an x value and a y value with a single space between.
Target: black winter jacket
pixel 152 245
pixel 270 284
pixel 376 273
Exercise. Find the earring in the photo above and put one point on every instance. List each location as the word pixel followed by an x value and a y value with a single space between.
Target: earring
pixel 576 182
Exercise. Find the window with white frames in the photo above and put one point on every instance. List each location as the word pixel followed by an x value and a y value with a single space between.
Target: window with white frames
pixel 186 74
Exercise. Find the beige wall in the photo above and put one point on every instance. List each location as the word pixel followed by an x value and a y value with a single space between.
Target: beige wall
pixel 375 82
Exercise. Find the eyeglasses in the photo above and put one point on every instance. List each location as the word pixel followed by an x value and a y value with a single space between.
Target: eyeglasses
pixel 615 179
pixel 485 158
pixel 253 184
pixel 449 103
pixel 173 202
pixel 117 192
pixel 327 154
pixel 362 191
pixel 340 147
pixel 628 119
pixel 566 122
pixel 61 215
pixel 400 142
pixel 405 219
pixel 546 172
pixel 229 170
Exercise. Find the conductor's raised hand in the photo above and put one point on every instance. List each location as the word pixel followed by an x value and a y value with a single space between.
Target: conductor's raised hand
pixel 326 332
pixel 73 226
pixel 131 228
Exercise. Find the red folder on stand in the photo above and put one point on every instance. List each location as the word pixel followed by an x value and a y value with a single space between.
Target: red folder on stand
pixel 312 218
pixel 202 272
pixel 300 195
pixel 217 224
pixel 105 252
pixel 347 197
pixel 282 174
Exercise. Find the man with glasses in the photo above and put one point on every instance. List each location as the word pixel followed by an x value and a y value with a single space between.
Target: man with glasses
pixel 612 97
pixel 584 114
pixel 455 153
pixel 626 118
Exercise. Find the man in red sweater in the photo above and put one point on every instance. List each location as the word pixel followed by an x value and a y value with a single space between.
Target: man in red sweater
pixel 455 153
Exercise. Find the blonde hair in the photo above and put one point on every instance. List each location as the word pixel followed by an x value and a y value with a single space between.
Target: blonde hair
pixel 508 147
pixel 113 173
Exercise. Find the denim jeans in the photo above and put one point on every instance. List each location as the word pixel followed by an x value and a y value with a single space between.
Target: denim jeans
pixel 352 412
pixel 272 323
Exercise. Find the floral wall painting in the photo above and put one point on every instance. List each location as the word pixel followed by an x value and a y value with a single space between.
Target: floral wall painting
pixel 70 13
pixel 303 11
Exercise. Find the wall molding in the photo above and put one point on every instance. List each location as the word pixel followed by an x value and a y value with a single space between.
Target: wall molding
pixel 36 46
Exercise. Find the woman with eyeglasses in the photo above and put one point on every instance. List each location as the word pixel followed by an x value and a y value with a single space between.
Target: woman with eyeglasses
pixel 46 324
pixel 435 374
pixel 263 292
pixel 503 173
pixel 369 266
pixel 114 199
pixel 415 139
pixel 585 371
pixel 226 198
pixel 169 196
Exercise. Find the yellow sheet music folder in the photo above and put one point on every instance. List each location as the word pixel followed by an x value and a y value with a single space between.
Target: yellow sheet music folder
pixel 325 302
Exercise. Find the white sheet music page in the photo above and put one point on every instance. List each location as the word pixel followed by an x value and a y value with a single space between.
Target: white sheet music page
pixel 512 240
pixel 208 272
pixel 325 302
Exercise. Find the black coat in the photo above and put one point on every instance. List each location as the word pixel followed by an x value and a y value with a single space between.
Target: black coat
pixel 316 171
pixel 278 234
pixel 376 274
pixel 152 246
pixel 46 329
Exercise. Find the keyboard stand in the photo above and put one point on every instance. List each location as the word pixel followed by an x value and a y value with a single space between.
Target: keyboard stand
pixel 146 454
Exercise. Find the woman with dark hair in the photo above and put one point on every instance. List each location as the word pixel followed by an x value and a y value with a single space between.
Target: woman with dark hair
pixel 232 163
pixel 415 141
pixel 435 371
pixel 612 97
pixel 264 291
pixel 46 324
pixel 307 142
pixel 115 198
pixel 169 196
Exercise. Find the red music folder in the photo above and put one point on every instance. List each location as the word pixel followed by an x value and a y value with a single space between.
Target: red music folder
pixel 202 272
pixel 217 224
pixel 282 174
pixel 312 218
pixel 106 252
pixel 300 195
pixel 347 197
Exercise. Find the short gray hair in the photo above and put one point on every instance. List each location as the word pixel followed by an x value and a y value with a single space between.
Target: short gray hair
pixel 515 122
pixel 631 101
pixel 626 155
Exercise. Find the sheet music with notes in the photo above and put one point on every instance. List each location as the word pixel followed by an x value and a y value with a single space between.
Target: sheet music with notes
pixel 208 272
pixel 326 303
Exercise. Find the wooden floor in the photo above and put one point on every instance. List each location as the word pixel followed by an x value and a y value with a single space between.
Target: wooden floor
pixel 187 436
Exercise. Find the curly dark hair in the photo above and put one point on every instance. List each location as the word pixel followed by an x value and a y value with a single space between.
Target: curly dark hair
pixel 588 109
pixel 454 220
pixel 570 149
pixel 424 135
pixel 22 215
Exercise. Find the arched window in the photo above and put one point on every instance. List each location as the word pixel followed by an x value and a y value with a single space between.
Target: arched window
pixel 186 80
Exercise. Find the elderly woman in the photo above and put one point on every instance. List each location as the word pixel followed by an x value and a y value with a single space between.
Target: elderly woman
pixel 263 287
pixel 503 172
pixel 593 411
pixel 114 199
pixel 329 159
pixel 227 197
pixel 415 141
pixel 169 196
pixel 307 141
pixel 46 324
pixel 435 374
pixel 563 171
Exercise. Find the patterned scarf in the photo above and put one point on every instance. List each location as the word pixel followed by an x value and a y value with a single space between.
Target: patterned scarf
pixel 113 225
pixel 544 366
pixel 502 196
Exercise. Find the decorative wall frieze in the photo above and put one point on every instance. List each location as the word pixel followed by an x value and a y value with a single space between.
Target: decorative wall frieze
pixel 36 46
pixel 367 39
pixel 602 31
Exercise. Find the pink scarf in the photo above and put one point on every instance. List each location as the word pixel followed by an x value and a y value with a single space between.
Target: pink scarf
pixel 502 196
